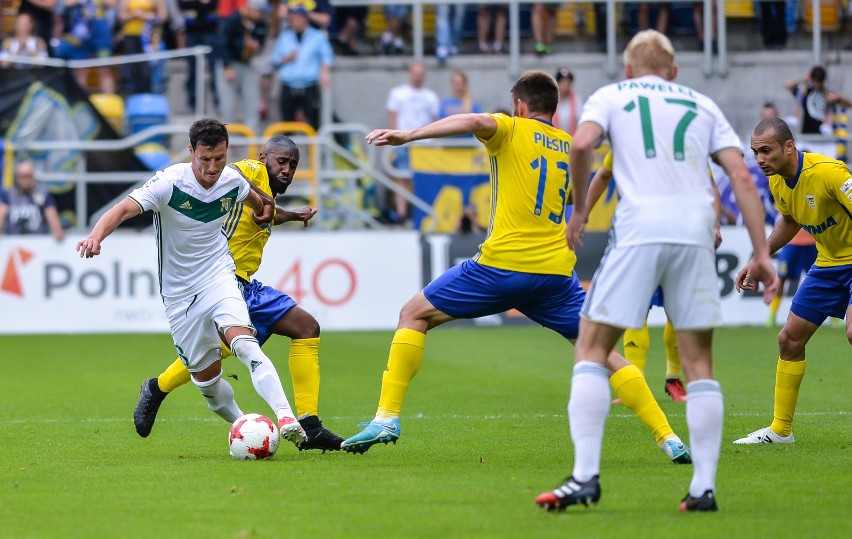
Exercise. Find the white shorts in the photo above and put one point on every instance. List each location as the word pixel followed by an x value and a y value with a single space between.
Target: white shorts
pixel 621 290
pixel 194 321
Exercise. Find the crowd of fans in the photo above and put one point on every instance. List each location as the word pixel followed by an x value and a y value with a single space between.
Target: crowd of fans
pixel 291 44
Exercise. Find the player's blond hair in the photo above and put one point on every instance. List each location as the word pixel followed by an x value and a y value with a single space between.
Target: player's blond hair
pixel 650 52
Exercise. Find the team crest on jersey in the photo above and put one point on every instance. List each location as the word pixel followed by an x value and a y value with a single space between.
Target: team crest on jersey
pixel 186 205
pixel 811 200
pixel 226 204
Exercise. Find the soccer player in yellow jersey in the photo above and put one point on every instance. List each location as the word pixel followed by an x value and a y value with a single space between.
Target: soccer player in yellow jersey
pixel 813 192
pixel 271 311
pixel 637 342
pixel 524 263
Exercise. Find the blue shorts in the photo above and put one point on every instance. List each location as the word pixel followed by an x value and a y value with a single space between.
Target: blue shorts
pixel 266 306
pixel 823 292
pixel 471 289
pixel 657 299
pixel 794 260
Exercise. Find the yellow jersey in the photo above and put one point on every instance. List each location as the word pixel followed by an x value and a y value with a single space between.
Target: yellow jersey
pixel 530 185
pixel 819 198
pixel 246 239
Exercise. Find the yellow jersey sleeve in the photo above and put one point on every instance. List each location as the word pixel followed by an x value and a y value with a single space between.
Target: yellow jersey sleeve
pixel 607 162
pixel 820 200
pixel 246 239
pixel 529 190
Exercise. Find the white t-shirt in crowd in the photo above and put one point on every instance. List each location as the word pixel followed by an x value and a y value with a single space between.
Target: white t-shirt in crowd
pixel 414 107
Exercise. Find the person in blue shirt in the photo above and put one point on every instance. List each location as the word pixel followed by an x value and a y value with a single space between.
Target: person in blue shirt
pixel 303 57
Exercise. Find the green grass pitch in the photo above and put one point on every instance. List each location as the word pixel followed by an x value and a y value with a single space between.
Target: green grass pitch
pixel 484 432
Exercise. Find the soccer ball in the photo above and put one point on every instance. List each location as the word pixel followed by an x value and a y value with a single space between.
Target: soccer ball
pixel 253 437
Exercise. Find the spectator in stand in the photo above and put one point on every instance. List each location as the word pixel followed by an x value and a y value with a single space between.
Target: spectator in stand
pixel 201 19
pixel 88 33
pixel 319 11
pixel 392 39
pixel 410 106
pixel 243 36
pixel 489 13
pixel 543 21
pixel 815 100
pixel 449 21
pixel 644 18
pixel 350 21
pixel 570 102
pixel 28 208
pixel 140 25
pixel 23 42
pixel 229 7
pixel 461 102
pixel 177 26
pixel 41 12
pixel 303 57
pixel 773 24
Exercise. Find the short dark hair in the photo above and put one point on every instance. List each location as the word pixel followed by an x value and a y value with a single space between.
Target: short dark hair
pixel 538 90
pixel 279 141
pixel 208 132
pixel 778 127
pixel 818 74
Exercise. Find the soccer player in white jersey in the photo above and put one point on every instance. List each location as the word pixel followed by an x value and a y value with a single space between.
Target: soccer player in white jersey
pixel 661 134
pixel 197 282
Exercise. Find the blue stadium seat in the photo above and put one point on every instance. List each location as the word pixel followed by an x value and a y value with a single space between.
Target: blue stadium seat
pixel 145 110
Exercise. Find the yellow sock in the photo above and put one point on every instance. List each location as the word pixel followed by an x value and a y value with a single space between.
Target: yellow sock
pixel 406 355
pixel 672 353
pixel 631 388
pixel 305 372
pixel 773 307
pixel 788 378
pixel 636 345
pixel 173 377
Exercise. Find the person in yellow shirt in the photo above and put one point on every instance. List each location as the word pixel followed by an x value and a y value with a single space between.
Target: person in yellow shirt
pixel 524 263
pixel 813 193
pixel 271 311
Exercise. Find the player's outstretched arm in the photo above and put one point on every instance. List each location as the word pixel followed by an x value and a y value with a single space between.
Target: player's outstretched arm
pixel 582 150
pixel 299 213
pixel 106 225
pixel 480 125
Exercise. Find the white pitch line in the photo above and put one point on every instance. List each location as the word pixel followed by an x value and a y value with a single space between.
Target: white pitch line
pixel 213 419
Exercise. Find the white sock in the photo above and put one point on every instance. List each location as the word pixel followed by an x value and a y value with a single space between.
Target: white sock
pixel 220 398
pixel 588 407
pixel 263 374
pixel 704 411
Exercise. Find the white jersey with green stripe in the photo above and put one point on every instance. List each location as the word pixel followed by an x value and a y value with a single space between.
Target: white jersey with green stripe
pixel 188 219
pixel 661 134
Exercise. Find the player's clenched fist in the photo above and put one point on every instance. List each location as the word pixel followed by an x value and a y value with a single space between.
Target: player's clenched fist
pixel 89 247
